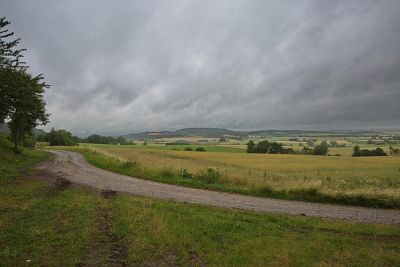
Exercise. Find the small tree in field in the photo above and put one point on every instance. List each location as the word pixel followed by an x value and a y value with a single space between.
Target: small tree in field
pixel 250 147
pixel 321 149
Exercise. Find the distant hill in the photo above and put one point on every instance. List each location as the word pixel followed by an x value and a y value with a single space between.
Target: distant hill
pixel 210 133
pixel 205 132
pixel 4 129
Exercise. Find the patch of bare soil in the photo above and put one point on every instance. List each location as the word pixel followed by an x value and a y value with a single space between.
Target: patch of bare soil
pixel 106 248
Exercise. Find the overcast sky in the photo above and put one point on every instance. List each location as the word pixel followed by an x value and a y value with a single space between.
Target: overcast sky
pixel 127 66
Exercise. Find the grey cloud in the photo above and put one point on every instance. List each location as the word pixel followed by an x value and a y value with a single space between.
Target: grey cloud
pixel 134 65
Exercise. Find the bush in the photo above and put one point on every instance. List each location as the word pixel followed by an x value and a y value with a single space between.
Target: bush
pixel 321 149
pixel 307 151
pixel 268 147
pixel 185 174
pixel 200 149
pixel 99 139
pixel 210 176
pixel 128 164
pixel 251 147
pixel 61 138
pixel 188 149
pixel 357 152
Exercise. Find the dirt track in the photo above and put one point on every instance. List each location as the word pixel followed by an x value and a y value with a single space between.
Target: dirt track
pixel 75 168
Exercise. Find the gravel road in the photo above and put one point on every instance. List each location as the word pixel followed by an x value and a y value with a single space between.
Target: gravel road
pixel 75 168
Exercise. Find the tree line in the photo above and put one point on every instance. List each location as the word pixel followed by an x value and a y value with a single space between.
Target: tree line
pixel 277 148
pixel 65 138
pixel 22 105
pixel 357 152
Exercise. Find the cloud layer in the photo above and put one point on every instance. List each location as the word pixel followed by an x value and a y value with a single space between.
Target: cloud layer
pixel 123 66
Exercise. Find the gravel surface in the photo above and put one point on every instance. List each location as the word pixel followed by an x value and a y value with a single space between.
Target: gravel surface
pixel 75 168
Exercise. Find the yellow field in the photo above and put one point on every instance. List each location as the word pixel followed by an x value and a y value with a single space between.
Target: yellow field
pixel 370 176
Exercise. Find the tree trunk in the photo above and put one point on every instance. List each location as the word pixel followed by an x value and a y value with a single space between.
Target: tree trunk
pixel 16 136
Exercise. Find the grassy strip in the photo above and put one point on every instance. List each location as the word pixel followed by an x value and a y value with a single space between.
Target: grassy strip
pixel 39 225
pixel 213 180
pixel 161 233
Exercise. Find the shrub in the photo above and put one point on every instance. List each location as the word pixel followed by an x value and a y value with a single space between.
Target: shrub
pixel 200 149
pixel 61 138
pixel 251 147
pixel 128 164
pixel 167 173
pixel 210 176
pixel 185 174
pixel 188 148
pixel 267 147
pixel 307 151
pixel 321 149
pixel 357 152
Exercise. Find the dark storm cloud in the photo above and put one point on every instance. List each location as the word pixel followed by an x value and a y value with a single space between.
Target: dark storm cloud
pixel 120 66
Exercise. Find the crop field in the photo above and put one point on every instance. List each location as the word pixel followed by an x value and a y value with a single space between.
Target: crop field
pixel 376 178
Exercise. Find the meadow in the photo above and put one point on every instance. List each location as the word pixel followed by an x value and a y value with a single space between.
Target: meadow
pixel 367 181
pixel 41 224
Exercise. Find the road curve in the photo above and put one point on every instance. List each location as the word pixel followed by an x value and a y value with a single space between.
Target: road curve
pixel 75 168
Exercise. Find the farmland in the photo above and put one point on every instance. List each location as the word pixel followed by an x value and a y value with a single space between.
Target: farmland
pixel 45 225
pixel 368 181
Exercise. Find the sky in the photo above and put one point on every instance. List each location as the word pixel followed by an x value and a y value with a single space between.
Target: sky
pixel 128 66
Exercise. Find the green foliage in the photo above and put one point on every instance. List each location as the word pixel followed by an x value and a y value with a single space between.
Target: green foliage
pixel 10 55
pixel 27 108
pixel 210 176
pixel 21 94
pixel 268 147
pixel 188 148
pixel 185 174
pixel 307 151
pixel 99 139
pixel 61 138
pixel 251 146
pixel 357 152
pixel 128 164
pixel 321 149
pixel 200 149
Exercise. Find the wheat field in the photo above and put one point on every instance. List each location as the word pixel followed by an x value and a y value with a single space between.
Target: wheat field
pixel 370 176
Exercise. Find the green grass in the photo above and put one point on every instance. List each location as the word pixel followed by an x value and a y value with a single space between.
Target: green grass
pixel 165 233
pixel 329 185
pixel 54 227
pixel 38 222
